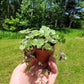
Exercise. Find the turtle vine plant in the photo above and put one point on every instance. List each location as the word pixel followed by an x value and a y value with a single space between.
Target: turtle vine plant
pixel 39 43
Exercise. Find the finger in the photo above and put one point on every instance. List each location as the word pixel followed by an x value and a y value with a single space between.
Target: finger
pixel 52 65
pixel 51 58
pixel 54 71
pixel 52 78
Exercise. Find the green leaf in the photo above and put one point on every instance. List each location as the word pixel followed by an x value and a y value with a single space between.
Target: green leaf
pixel 64 57
pixel 29 43
pixel 49 39
pixel 22 47
pixel 12 28
pixel 30 36
pixel 43 27
pixel 46 30
pixel 28 67
pixel 27 37
pixel 24 43
pixel 55 36
pixel 41 32
pixel 39 63
pixel 35 42
pixel 35 33
pixel 22 31
pixel 40 43
pixel 48 47
pixel 46 72
pixel 52 32
pixel 39 72
pixel 27 31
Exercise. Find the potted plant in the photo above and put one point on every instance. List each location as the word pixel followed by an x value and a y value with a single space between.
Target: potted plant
pixel 39 43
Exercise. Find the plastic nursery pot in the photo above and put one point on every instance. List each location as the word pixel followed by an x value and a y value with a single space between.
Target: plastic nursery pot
pixel 43 55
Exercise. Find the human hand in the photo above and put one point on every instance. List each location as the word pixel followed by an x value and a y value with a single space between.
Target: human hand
pixel 51 77
pixel 19 75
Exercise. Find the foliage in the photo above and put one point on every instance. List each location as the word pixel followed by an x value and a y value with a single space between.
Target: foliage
pixel 81 3
pixel 73 14
pixel 24 13
pixel 11 24
pixel 47 13
pixel 82 23
pixel 35 13
pixel 3 14
pixel 42 39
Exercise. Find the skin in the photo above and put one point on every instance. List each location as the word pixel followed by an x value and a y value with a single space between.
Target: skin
pixel 20 75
